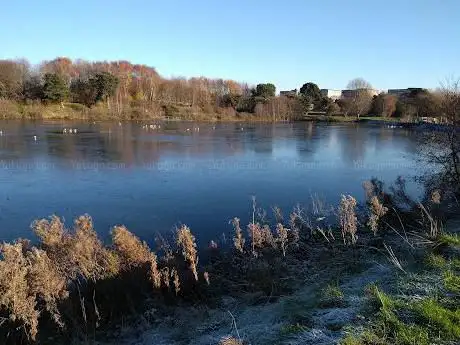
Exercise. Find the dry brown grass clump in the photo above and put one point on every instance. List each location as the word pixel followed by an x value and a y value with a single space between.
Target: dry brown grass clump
pixel 77 254
pixel 436 196
pixel 230 341
pixel 48 285
pixel 278 214
pixel 257 237
pixel 29 283
pixel 186 241
pixel 377 211
pixel 238 240
pixel 15 295
pixel 93 260
pixel 135 253
pixel 348 220
pixel 369 189
pixel 176 281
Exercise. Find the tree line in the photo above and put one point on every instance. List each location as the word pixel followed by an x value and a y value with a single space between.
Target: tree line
pixel 120 86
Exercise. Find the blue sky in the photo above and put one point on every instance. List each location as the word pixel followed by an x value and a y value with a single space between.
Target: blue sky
pixel 392 44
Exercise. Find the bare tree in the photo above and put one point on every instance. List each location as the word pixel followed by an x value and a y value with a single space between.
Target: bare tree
pixel 358 83
pixel 442 147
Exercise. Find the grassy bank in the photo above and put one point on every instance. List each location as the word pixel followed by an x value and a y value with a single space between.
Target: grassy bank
pixel 101 112
pixel 74 111
pixel 379 276
pixel 341 118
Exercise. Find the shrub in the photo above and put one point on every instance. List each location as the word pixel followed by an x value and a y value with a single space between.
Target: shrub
pixel 9 109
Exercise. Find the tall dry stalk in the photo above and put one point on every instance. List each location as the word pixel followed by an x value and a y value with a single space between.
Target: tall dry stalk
pixel 377 211
pixel 176 280
pixel 257 237
pixel 435 226
pixel 282 238
pixel 238 240
pixel 268 238
pixel 348 220
pixel 369 189
pixel 278 214
pixel 436 196
pixel 165 276
pixel 186 241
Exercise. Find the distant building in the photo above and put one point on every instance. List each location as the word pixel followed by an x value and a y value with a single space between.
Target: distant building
pixel 355 92
pixel 332 94
pixel 290 93
pixel 404 92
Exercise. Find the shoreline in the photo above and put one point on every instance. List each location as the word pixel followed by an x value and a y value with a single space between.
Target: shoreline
pixel 11 110
pixel 311 283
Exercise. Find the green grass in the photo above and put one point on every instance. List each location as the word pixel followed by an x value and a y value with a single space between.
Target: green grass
pixel 451 281
pixel 450 240
pixel 389 326
pixel 332 296
pixel 380 118
pixel 436 261
pixel 290 329
pixel 445 321
pixel 399 322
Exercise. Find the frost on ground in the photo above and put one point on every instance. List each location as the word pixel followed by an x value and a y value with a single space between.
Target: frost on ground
pixel 300 318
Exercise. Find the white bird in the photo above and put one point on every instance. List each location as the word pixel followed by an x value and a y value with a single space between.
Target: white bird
pixel 151 126
pixel 75 130
pixel 188 129
pixel 64 131
pixel 119 123
pixel 1 132
pixel 35 137
pixel 242 128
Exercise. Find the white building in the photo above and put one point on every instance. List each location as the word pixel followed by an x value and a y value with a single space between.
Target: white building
pixel 332 94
